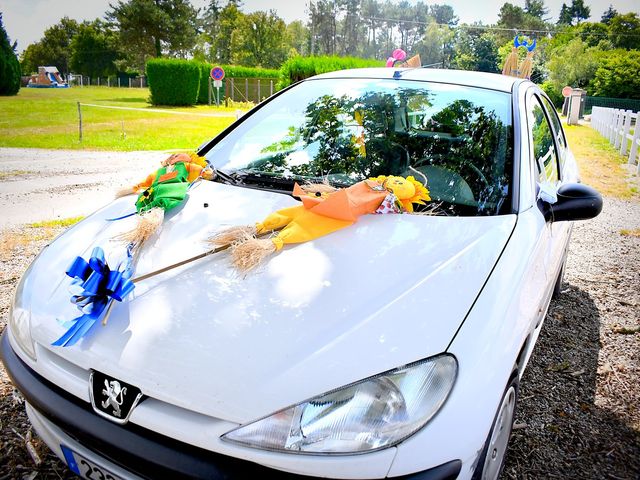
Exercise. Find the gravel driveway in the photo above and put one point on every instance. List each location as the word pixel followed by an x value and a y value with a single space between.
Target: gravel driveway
pixel 579 411
pixel 40 184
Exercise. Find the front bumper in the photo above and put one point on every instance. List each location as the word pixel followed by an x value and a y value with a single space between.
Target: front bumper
pixel 134 449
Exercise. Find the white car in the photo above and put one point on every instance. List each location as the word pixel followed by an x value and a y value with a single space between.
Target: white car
pixel 391 348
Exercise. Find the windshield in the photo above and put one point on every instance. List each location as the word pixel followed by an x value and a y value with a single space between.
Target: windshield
pixel 343 131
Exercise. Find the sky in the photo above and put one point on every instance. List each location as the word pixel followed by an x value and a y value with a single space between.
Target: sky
pixel 26 20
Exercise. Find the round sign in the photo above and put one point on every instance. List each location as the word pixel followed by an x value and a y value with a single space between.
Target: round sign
pixel 566 91
pixel 217 73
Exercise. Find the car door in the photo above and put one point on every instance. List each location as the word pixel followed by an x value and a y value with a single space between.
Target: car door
pixel 560 231
pixel 545 156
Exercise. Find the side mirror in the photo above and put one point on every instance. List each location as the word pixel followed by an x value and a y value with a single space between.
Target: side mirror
pixel 575 202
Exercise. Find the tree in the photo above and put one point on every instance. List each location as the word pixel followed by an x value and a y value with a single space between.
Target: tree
pixel 297 38
pixel 351 27
pixel 323 25
pixel 53 49
pixel 617 75
pixel 9 65
pixel 579 11
pixel 565 17
pixel 572 64
pixel 209 30
pixel 443 14
pixel 536 8
pixel 93 50
pixel 229 17
pixel 486 52
pixel 624 31
pixel 608 15
pixel 149 28
pixel 371 16
pixel 259 40
pixel 511 16
pixel 476 50
pixel 183 29
pixel 592 33
pixel 436 46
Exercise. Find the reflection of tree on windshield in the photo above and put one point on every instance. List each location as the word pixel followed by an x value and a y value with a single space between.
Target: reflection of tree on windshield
pixel 326 125
pixel 332 129
pixel 454 119
pixel 471 141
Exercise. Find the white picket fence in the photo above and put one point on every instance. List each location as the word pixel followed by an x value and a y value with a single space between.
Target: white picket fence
pixel 616 125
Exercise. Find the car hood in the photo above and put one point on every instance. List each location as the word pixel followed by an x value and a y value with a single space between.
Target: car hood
pixel 387 291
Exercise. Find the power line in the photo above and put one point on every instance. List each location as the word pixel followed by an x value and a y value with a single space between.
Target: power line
pixel 503 29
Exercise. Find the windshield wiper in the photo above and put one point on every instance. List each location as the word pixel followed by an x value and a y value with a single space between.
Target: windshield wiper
pixel 229 179
pixel 261 179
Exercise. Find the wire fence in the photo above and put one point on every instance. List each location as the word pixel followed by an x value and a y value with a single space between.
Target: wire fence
pixel 606 102
pixel 249 89
pixel 237 114
pixel 121 81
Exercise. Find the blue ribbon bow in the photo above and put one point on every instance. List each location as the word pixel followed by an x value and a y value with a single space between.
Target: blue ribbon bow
pixel 94 287
pixel 529 46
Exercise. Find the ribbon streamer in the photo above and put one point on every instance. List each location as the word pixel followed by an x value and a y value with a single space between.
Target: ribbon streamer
pixel 94 287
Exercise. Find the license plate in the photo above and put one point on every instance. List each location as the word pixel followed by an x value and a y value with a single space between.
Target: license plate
pixel 85 467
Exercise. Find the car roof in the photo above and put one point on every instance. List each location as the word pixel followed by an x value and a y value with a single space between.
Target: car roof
pixel 492 81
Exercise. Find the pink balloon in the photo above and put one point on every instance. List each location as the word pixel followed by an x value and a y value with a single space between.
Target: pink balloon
pixel 399 54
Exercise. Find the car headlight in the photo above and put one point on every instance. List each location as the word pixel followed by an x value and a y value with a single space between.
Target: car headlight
pixel 374 413
pixel 20 317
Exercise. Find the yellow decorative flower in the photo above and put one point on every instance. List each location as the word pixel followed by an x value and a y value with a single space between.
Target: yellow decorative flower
pixel 407 190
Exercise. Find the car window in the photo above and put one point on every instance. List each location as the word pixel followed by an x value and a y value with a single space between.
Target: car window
pixel 561 142
pixel 544 150
pixel 346 130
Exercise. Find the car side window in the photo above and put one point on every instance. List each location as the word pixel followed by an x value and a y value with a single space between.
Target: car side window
pixel 544 150
pixel 557 126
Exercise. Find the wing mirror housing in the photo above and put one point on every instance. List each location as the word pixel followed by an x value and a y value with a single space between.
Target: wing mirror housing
pixel 575 202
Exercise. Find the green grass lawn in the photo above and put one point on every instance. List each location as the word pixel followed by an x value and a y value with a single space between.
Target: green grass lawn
pixel 48 118
pixel 600 164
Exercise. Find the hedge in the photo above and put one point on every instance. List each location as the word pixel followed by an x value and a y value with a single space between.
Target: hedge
pixel 236 71
pixel 173 81
pixel 299 68
pixel 205 71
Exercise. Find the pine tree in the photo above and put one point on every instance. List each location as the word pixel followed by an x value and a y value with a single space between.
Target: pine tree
pixel 536 8
pixel 579 11
pixel 9 65
pixel 565 17
pixel 608 15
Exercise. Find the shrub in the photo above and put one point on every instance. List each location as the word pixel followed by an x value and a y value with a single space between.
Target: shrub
pixel 9 65
pixel 299 68
pixel 173 82
pixel 554 94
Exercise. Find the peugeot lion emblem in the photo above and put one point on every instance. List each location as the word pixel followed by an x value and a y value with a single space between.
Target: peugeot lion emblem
pixel 115 396
pixel 112 398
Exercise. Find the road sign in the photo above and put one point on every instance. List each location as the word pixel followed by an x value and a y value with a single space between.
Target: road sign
pixel 217 73
pixel 566 91
pixel 217 83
